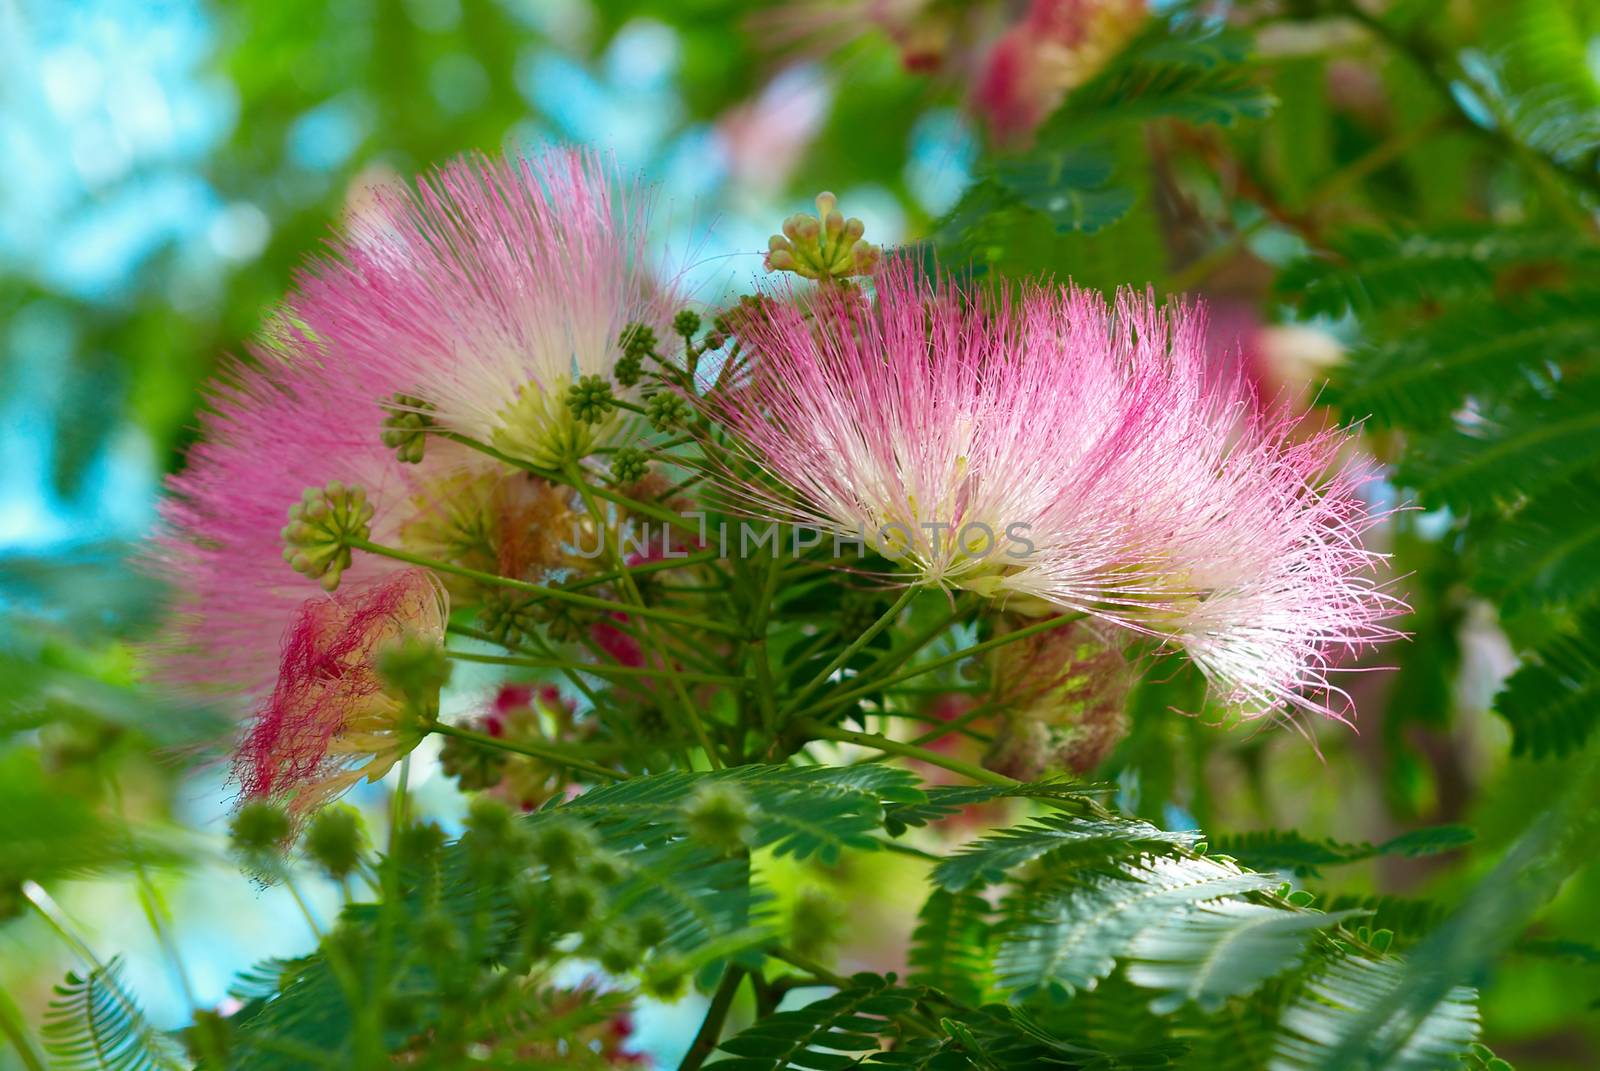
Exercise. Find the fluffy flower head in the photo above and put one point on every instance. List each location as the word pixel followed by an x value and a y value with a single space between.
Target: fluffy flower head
pixel 489 290
pixel 1052 451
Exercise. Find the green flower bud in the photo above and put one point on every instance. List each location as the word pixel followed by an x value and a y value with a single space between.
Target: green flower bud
pixel 667 410
pixel 575 902
pixel 564 845
pixel 335 841
pixel 815 920
pixel 420 843
pixel 652 929
pixel 618 950
pixel 508 616
pixel 321 524
pixel 629 465
pixel 259 828
pixel 719 814
pixel 405 429
pixel 590 399
pixel 687 323
pixel 414 669
pixel 665 978
pixel 473 766
pixel 490 820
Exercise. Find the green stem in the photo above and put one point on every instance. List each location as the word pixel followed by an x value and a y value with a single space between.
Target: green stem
pixel 946 660
pixel 542 648
pixel 301 902
pixel 597 670
pixel 644 509
pixel 548 753
pixel 16 1032
pixel 911 751
pixel 397 810
pixel 558 594
pixel 843 657
pixel 959 724
pixel 692 719
pixel 705 1041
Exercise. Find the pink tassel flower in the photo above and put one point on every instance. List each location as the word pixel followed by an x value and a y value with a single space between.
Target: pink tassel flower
pixel 487 292
pixel 277 429
pixel 1047 450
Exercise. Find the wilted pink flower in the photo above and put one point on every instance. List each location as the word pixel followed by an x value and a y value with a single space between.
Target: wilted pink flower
pixel 331 720
pixel 1045 449
pixel 488 291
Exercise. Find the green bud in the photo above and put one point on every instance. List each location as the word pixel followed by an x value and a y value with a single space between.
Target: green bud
pixel 629 465
pixel 508 616
pixel 618 950
pixel 651 928
pixel 638 340
pixel 473 766
pixel 687 323
pixel 563 845
pixel 667 410
pixel 438 933
pixel 420 843
pixel 259 828
pixel 321 524
pixel 575 902
pixel 719 814
pixel 590 399
pixel 628 370
pixel 562 620
pixel 490 820
pixel 604 868
pixel 405 429
pixel 414 669
pixel 814 921
pixel 665 978
pixel 335 841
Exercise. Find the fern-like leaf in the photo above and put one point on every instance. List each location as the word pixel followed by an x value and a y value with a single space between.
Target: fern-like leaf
pixel 828 1034
pixel 1344 992
pixel 1066 839
pixel 950 947
pixel 94 1024
pixel 1288 850
pixel 1219 950
pixel 1553 701
pixel 1498 460
pixel 1064 936
pixel 1476 350
pixel 1368 270
pixel 1548 553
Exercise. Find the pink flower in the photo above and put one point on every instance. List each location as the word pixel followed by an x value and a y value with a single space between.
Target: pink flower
pixel 330 720
pixel 1049 451
pixel 1057 46
pixel 274 430
pixel 488 291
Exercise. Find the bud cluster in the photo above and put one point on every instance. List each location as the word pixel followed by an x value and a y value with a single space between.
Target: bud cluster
pixel 824 247
pixel 321 524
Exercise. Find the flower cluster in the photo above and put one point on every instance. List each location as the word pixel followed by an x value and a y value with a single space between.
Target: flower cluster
pixel 472 392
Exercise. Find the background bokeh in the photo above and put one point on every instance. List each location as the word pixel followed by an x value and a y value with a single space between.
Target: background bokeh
pixel 168 163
